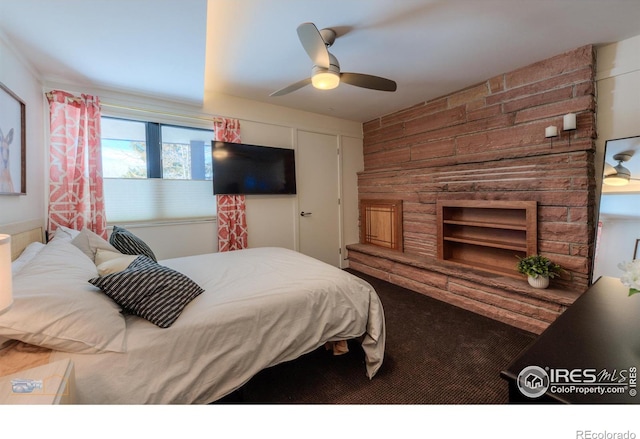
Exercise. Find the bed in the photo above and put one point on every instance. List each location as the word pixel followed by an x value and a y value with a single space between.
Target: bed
pixel 259 307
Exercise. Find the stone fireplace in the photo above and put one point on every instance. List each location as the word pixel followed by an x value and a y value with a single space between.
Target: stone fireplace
pixel 487 143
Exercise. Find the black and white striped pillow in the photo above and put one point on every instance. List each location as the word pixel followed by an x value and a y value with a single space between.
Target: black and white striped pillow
pixel 150 290
pixel 129 244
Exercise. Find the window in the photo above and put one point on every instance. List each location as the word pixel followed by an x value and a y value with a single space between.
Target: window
pixel 134 149
pixel 186 153
pixel 154 171
pixel 124 148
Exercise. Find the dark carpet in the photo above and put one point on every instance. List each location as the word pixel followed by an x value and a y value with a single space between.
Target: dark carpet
pixel 436 353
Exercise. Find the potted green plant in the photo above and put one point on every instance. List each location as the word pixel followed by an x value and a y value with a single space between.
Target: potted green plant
pixel 539 269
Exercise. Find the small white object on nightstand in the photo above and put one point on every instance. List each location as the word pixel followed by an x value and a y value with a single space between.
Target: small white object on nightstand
pixel 52 383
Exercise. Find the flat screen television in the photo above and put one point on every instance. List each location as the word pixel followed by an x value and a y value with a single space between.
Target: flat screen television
pixel 240 168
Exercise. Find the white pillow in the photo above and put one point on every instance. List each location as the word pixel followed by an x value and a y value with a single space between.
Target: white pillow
pixel 54 306
pixel 103 256
pixel 27 254
pixel 65 233
pixel 110 262
pixel 89 242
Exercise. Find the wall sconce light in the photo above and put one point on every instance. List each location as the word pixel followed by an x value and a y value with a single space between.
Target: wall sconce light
pixel 550 132
pixel 569 122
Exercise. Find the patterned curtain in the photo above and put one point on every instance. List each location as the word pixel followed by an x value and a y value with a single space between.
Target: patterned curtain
pixel 76 197
pixel 232 219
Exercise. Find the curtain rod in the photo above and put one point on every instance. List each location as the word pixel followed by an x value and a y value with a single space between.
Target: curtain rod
pixel 163 113
pixel 212 117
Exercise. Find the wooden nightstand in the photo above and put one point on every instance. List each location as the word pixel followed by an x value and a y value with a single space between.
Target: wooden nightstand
pixel 52 383
pixel 596 336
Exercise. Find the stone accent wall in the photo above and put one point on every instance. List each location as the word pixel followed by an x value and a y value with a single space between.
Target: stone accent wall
pixel 487 142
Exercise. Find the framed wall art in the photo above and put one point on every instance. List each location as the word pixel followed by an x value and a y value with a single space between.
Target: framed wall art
pixel 13 175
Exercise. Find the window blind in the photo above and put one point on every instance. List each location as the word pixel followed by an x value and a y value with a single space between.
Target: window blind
pixel 155 199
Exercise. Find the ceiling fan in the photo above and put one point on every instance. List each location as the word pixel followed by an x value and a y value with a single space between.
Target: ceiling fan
pixel 619 175
pixel 326 74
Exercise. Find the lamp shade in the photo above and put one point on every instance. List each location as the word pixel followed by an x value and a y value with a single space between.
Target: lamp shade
pixel 6 290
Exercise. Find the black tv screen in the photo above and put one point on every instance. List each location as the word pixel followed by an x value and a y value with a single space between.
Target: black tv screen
pixel 239 168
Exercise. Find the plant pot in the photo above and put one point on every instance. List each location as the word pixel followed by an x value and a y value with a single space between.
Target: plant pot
pixel 538 282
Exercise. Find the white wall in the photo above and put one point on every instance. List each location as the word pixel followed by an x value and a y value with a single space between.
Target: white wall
pixel 618 84
pixel 618 88
pixel 617 244
pixel 176 240
pixel 16 75
pixel 272 220
pixel 618 116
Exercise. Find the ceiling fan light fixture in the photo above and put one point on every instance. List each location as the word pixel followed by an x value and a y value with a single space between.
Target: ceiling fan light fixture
pixel 616 180
pixel 326 74
pixel 620 178
pixel 324 79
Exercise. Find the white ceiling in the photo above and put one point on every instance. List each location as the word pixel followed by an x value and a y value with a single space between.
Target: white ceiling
pixel 153 47
pixel 181 49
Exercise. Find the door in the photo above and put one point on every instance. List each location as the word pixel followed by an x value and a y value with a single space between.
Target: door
pixel 318 196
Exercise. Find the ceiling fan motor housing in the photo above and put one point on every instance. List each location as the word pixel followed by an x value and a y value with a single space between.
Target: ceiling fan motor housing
pixel 329 36
pixel 621 171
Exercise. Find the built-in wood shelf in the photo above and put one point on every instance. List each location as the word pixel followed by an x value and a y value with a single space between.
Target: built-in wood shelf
pixel 488 235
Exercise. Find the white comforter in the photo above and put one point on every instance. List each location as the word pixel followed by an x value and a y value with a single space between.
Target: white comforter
pixel 260 307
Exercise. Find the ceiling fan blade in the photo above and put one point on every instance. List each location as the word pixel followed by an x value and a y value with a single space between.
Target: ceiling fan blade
pixel 313 44
pixel 368 81
pixel 608 169
pixel 293 87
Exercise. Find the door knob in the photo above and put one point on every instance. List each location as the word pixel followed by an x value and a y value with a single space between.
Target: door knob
pixel 305 213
